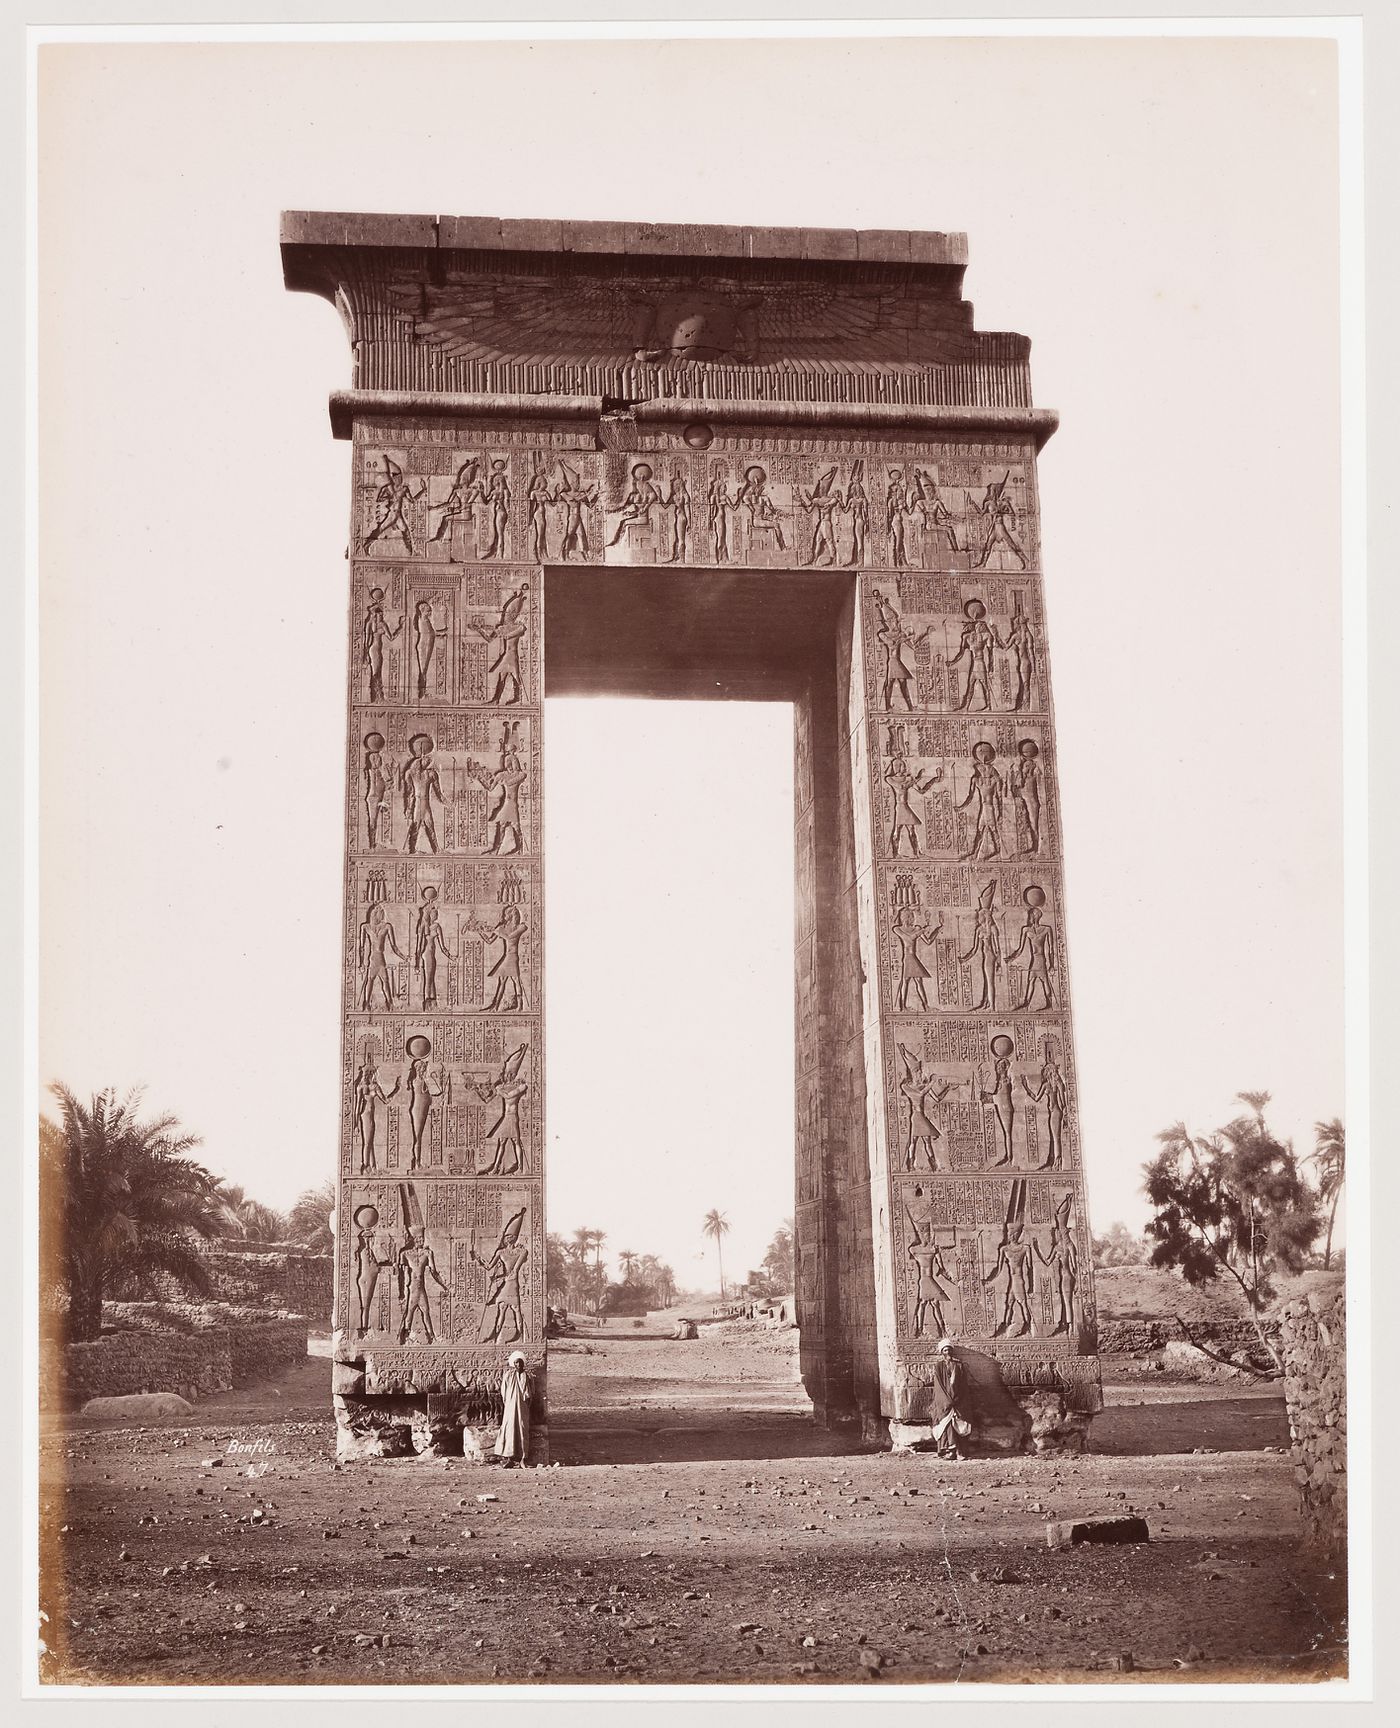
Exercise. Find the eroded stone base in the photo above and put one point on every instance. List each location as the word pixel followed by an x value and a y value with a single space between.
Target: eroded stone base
pixel 418 1425
pixel 1006 1419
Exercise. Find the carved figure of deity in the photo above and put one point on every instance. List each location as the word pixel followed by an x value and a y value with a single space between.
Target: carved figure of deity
pixel 539 495
pixel 907 933
pixel 822 503
pixel 377 943
pixel 368 1096
pixel 932 512
pixel 504 636
pixel 1016 1264
pixel 999 1094
pixel 719 504
pixel 985 947
pixel 642 498
pixel 428 943
pixel 975 646
pixel 375 631
pixel 1061 1260
pixel 370 1261
pixel 391 501
pixel 421 786
pixel 999 523
pixel 425 636
pixel 503 788
pixel 1021 644
pixel 856 503
pixel 417 1265
pixel 1038 944
pixel 986 797
pixel 933 1286
pixel 896 673
pixel 905 820
pixel 422 1094
pixel 506 1135
pixel 459 502
pixel 1052 1090
pixel 495 500
pixel 376 788
pixel 510 932
pixel 761 513
pixel 575 498
pixel 502 1313
pixel 1027 785
pixel 920 1090
pixel 678 508
pixel 896 511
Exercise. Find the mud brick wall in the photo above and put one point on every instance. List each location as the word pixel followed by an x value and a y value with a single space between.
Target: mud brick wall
pixel 193 1364
pixel 270 1275
pixel 1140 1337
pixel 1314 1333
pixel 190 1364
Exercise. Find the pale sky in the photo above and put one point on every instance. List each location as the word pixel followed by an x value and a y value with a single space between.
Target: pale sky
pixel 1158 216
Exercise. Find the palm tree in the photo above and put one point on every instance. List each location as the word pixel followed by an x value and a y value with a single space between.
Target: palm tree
pixel 248 1220
pixel 119 1201
pixel 596 1239
pixel 579 1245
pixel 627 1259
pixel 309 1221
pixel 1330 1157
pixel 716 1225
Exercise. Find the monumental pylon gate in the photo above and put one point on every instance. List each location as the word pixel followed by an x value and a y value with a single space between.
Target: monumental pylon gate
pixel 756 462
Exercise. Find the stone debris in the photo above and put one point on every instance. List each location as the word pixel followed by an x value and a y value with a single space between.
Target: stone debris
pixel 1069 1533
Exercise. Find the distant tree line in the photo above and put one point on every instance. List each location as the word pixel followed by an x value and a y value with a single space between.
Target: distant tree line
pixel 577 1279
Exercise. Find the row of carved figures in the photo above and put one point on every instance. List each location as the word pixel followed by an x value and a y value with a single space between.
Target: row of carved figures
pixel 836 518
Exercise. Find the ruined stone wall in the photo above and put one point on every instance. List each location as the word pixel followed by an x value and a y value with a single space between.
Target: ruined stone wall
pixel 269 1275
pixel 1137 1337
pixel 1314 1335
pixel 192 1364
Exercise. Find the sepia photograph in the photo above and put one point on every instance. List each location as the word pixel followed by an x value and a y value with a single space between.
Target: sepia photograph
pixel 692 1017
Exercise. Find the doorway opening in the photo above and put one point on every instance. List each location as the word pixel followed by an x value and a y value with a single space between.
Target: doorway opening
pixel 670 1026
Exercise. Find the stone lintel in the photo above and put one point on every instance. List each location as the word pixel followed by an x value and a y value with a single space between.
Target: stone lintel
pixel 367 229
pixel 838 418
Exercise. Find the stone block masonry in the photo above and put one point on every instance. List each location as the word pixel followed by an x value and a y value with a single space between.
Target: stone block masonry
pixel 208 1359
pixel 625 458
pixel 1313 1326
pixel 269 1275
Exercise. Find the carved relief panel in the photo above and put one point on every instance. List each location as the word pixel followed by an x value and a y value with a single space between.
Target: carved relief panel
pixel 436 1267
pixel 446 781
pixel 989 1261
pixel 806 503
pixel 442 1118
pixel 951 644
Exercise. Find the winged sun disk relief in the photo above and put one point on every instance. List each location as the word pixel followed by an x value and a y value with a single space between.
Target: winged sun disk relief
pixel 606 322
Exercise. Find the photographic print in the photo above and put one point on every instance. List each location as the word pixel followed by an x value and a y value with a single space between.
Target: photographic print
pixel 614 615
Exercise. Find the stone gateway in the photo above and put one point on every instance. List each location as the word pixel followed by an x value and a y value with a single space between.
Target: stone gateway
pixel 598 458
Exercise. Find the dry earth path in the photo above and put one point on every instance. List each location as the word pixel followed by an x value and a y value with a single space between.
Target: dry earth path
pixel 703 1530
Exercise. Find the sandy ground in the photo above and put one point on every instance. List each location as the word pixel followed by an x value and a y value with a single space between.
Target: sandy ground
pixel 697 1526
